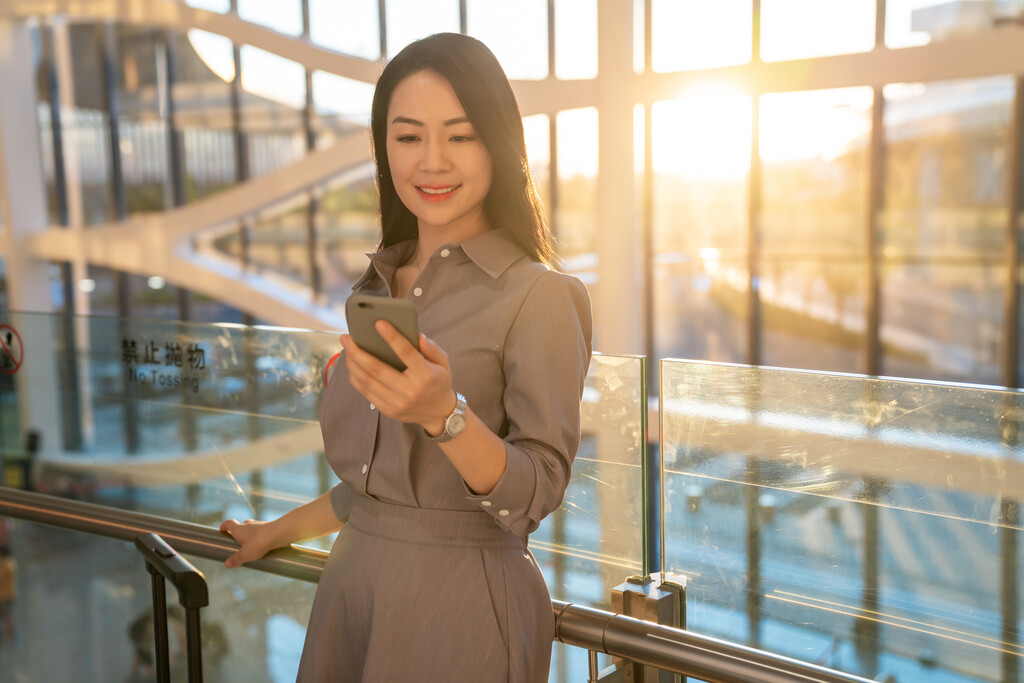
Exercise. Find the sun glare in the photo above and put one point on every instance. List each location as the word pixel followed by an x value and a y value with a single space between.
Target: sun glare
pixel 703 135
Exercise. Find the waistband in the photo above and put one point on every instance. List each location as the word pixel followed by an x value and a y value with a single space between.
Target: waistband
pixel 429 527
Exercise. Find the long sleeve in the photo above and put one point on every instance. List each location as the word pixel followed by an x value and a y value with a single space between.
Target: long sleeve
pixel 546 356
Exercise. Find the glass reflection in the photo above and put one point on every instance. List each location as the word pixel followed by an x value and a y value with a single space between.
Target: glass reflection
pixel 142 120
pixel 691 34
pixel 838 28
pixel 409 20
pixel 575 217
pixel 348 229
pixel 700 306
pixel 279 243
pixel 352 28
pixel 342 108
pixel 100 618
pixel 576 39
pixel 842 520
pixel 945 174
pixel 701 159
pixel 272 105
pixel 204 67
pixel 281 15
pixel 516 33
pixel 943 321
pixel 813 313
pixel 919 22
pixel 813 148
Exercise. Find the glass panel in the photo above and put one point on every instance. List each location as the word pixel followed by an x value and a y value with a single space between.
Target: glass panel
pixel 352 27
pixel 153 298
pixel 204 69
pixel 272 106
pixel 594 541
pixel 700 306
pixel 281 15
pixel 205 422
pixel 349 228
pixel 142 120
pixel 279 243
pixel 101 287
pixel 101 618
pixel 576 38
pixel 219 6
pixel 85 128
pixel 409 20
pixel 575 217
pixel 943 321
pixel 778 485
pixel 517 34
pixel 206 310
pixel 838 28
pixel 701 159
pixel 814 313
pixel 813 148
pixel 692 34
pixel 946 152
pixel 342 108
pixel 918 22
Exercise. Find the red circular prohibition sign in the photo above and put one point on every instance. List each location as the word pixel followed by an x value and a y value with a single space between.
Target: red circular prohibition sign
pixel 5 348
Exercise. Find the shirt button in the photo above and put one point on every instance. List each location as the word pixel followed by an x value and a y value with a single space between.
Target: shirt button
pixel 418 291
pixel 445 253
pixel 503 513
pixel 486 503
pixel 365 467
pixel 373 406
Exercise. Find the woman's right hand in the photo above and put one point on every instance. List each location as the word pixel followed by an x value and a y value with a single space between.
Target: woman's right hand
pixel 254 538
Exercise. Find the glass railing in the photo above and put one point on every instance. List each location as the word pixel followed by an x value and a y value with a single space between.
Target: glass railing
pixel 200 422
pixel 869 525
pixel 88 598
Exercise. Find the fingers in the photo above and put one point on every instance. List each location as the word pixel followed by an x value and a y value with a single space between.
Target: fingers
pixel 234 560
pixel 432 352
pixel 398 343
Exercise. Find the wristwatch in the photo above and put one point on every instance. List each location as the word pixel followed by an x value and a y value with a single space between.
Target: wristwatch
pixel 454 423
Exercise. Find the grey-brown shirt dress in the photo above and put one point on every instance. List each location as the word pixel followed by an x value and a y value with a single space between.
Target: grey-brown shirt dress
pixel 428 581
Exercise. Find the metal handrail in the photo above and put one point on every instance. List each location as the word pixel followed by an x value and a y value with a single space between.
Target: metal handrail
pixel 663 647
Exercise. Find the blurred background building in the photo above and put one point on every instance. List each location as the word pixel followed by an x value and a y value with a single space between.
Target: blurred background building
pixel 832 186
pixel 825 186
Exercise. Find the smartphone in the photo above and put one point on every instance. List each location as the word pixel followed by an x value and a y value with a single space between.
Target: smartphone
pixel 363 311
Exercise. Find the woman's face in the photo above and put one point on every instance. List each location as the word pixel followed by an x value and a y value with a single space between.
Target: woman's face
pixel 440 167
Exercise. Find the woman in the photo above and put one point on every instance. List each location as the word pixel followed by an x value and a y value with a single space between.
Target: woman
pixel 448 466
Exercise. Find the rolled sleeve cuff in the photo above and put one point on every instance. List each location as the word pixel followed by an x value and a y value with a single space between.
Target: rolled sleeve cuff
pixel 341 501
pixel 509 502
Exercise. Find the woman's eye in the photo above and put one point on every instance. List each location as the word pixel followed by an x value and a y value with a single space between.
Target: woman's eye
pixel 406 138
pixel 463 138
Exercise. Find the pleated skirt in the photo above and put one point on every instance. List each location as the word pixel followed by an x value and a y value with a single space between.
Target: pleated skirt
pixel 410 594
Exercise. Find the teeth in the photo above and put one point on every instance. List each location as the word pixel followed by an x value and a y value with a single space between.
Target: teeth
pixel 446 190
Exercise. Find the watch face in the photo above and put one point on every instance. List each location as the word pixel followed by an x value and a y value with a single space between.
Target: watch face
pixel 455 425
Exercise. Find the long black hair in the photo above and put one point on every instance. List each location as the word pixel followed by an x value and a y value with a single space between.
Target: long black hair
pixel 484 91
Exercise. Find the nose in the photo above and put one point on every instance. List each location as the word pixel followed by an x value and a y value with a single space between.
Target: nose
pixel 435 156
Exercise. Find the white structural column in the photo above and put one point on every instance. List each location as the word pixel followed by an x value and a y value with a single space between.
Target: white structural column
pixel 618 300
pixel 22 194
pixel 23 202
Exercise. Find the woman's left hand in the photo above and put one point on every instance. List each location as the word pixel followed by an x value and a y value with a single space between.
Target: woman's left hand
pixel 421 394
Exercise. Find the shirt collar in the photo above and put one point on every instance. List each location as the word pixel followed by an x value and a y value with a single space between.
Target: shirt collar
pixel 493 252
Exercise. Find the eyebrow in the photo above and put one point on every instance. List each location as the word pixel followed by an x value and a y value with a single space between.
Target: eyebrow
pixel 414 122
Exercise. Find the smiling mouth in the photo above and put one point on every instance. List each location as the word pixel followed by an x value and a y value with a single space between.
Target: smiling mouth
pixel 437 192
